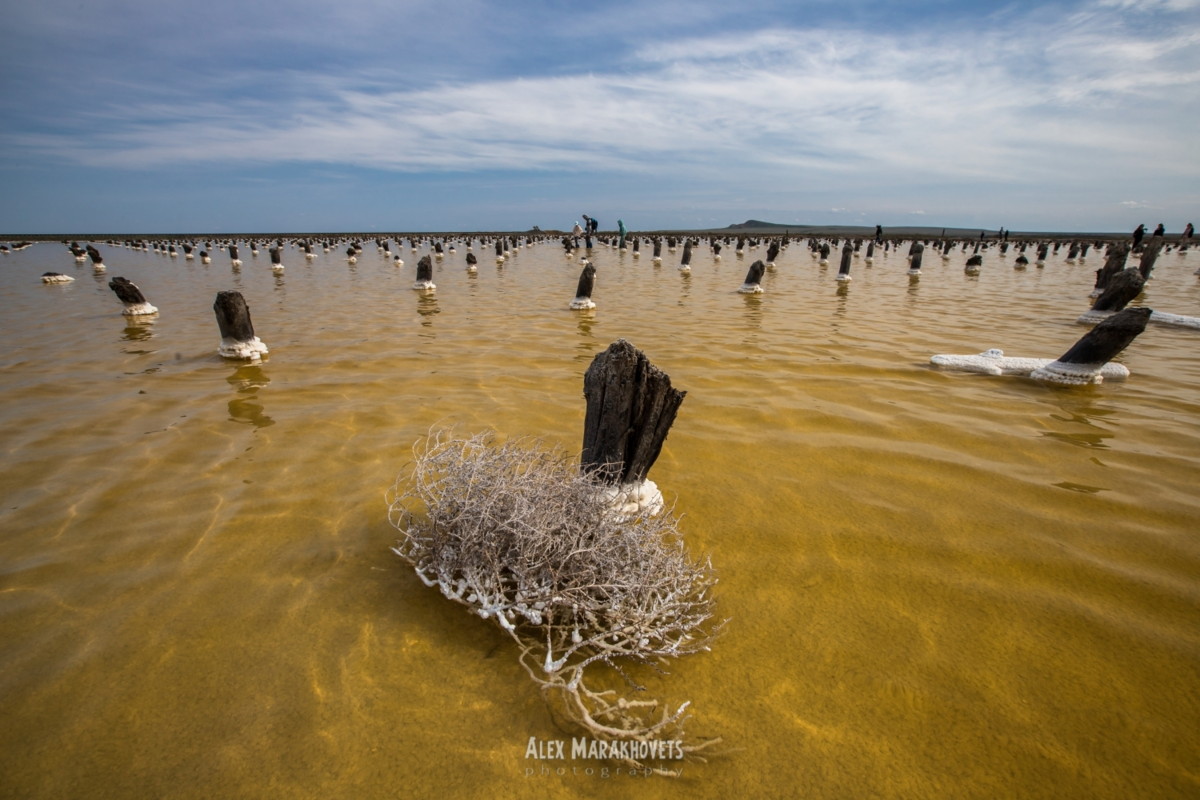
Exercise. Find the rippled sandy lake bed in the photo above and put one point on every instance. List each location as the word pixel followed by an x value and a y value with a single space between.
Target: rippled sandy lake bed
pixel 939 584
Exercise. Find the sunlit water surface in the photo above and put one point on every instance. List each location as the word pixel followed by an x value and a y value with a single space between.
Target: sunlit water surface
pixel 939 584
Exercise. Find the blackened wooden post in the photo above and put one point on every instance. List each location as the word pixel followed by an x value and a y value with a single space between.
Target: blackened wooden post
pixel 657 250
pixel 425 274
pixel 636 254
pixel 471 262
pixel 870 252
pixel 753 279
pixel 233 255
pixel 1121 289
pixel 918 253
pixel 973 265
pixel 847 257
pixel 1105 341
pixel 1150 255
pixel 631 406
pixel 1114 262
pixel 772 253
pixel 237 331
pixel 685 263
pixel 716 249
pixel 583 290
pixel 131 297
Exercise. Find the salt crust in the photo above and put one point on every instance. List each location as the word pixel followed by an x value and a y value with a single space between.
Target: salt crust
pixel 582 303
pixel 1157 317
pixel 253 349
pixel 136 309
pixel 750 288
pixel 994 362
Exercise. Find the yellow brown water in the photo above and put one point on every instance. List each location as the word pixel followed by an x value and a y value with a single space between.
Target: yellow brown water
pixel 940 584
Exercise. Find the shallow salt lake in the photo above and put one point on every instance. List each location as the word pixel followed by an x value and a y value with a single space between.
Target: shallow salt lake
pixel 939 584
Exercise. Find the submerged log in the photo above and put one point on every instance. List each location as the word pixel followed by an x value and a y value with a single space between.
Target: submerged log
pixel 131 297
pixel 237 331
pixel 631 406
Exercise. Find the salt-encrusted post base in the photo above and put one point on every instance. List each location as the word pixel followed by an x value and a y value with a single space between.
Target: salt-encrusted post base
pixel 237 331
pixel 252 350
pixel 582 303
pixel 994 362
pixel 634 499
pixel 136 309
pixel 424 286
pixel 56 277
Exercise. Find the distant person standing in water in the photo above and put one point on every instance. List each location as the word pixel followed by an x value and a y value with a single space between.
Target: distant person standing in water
pixel 595 223
pixel 587 223
pixel 879 234
pixel 577 230
pixel 1138 233
pixel 1160 230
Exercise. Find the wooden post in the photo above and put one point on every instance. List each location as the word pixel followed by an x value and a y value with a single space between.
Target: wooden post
pixel 631 406
pixel 1105 341
pixel 847 257
pixel 425 274
pixel 753 279
pixel 237 331
pixel 1150 255
pixel 1121 289
pixel 583 291
pixel 918 254
pixel 131 297
pixel 1114 262
pixel 685 264
pixel 772 253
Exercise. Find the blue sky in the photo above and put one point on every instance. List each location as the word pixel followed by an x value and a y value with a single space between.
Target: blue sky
pixel 237 115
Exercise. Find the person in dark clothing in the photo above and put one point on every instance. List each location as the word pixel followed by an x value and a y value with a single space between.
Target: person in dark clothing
pixel 1160 230
pixel 879 234
pixel 1138 234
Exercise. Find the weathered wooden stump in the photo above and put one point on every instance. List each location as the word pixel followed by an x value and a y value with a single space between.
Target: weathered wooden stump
pixel 472 262
pixel 131 298
pixel 233 255
pixel 631 406
pixel 918 254
pixel 772 253
pixel 658 251
pixel 685 263
pixel 1152 246
pixel 425 274
pixel 753 279
pixel 847 257
pixel 1121 289
pixel 1114 262
pixel 716 249
pixel 237 331
pixel 1083 362
pixel 583 291
pixel 870 252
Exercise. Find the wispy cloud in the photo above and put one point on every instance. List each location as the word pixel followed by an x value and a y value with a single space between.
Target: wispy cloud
pixel 794 100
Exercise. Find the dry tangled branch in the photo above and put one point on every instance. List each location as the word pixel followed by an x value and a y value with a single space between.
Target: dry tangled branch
pixel 521 536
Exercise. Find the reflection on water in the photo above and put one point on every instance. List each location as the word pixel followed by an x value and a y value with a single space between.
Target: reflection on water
pixel 139 328
pixel 247 380
pixel 427 307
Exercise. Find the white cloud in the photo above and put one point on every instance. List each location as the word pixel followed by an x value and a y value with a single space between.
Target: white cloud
pixel 847 106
